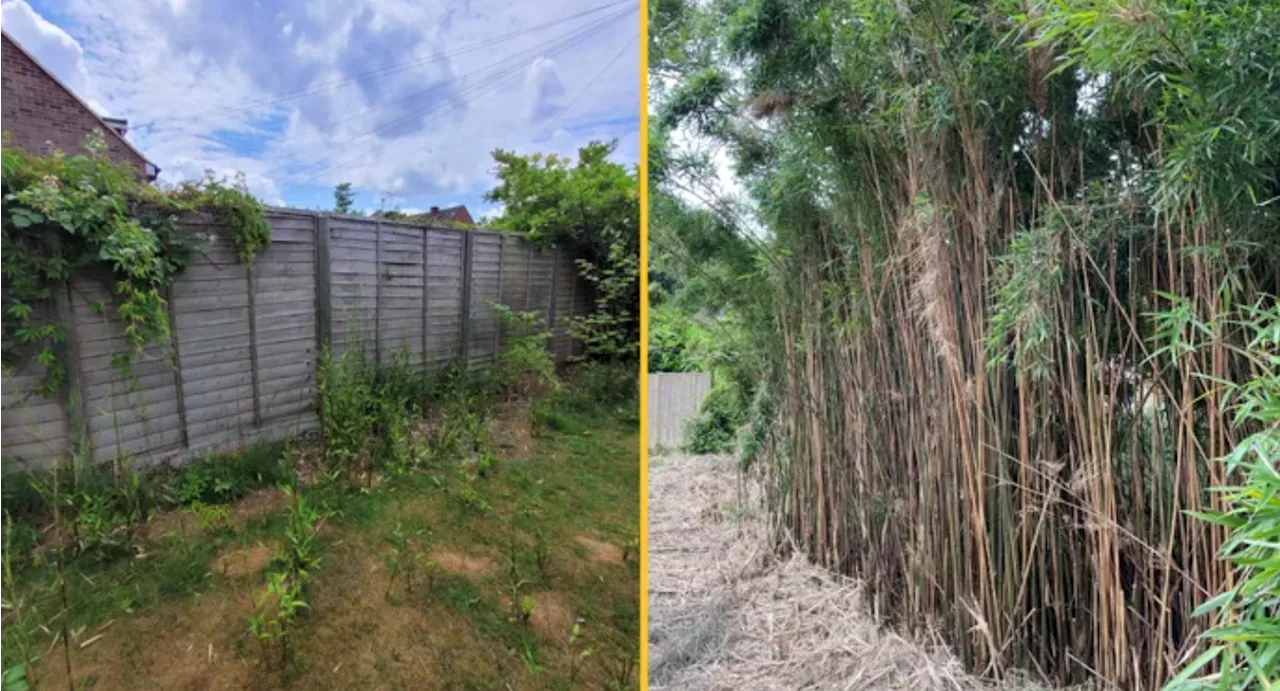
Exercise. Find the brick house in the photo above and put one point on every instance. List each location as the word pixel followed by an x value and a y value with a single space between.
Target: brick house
pixel 456 214
pixel 39 113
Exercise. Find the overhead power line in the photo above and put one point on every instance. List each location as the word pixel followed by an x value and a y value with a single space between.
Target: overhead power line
pixel 488 84
pixel 312 89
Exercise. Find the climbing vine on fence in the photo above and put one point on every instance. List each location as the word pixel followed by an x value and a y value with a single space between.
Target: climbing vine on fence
pixel 84 215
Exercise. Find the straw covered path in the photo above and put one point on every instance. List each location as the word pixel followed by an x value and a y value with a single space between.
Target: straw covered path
pixel 726 614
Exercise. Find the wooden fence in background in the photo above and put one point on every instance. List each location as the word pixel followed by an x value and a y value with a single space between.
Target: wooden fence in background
pixel 240 365
pixel 674 400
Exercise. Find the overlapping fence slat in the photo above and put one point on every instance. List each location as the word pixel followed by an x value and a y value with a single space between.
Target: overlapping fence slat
pixel 240 363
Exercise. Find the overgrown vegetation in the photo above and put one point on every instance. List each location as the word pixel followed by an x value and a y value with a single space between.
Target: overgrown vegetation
pixel 444 467
pixel 993 270
pixel 84 215
pixel 593 208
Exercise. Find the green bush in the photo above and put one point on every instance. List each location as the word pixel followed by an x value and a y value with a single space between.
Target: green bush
pixel 715 429
pixel 526 366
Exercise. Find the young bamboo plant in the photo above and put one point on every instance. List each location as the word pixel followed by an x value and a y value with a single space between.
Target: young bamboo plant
pixel 275 610
pixel 404 557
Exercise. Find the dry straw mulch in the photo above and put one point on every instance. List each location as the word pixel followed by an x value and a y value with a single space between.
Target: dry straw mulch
pixel 726 614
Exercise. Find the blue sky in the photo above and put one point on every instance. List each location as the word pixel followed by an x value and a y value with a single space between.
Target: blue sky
pixel 404 99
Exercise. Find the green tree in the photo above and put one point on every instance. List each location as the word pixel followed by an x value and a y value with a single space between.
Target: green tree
pixel 593 207
pixel 343 198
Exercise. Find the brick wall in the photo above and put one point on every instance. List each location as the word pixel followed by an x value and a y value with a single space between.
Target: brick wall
pixel 36 109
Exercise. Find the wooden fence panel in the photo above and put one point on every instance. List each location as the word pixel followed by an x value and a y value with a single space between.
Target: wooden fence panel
pixel 486 268
pixel 240 362
pixel 444 296
pixel 210 308
pixel 353 280
pixel 34 428
pixel 400 295
pixel 674 399
pixel 284 281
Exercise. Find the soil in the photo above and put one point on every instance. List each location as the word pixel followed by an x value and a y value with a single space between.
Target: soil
pixel 255 504
pixel 461 564
pixel 240 562
pixel 552 616
pixel 189 648
pixel 511 431
pixel 600 551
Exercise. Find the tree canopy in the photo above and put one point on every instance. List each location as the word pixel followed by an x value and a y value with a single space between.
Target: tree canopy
pixel 591 207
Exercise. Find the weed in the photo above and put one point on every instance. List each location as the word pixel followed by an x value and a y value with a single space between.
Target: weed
pixel 631 549
pixel 577 654
pixel 404 557
pixel 487 464
pixel 470 497
pixel 212 517
pixel 527 605
pixel 221 479
pixel 529 656
pixel 347 412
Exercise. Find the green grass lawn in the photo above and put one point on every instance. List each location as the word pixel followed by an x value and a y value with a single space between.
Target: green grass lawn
pixel 507 567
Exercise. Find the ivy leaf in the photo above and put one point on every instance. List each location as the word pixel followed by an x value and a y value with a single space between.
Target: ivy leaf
pixel 20 311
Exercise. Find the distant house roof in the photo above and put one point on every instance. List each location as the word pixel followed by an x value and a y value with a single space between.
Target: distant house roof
pixel 40 108
pixel 457 214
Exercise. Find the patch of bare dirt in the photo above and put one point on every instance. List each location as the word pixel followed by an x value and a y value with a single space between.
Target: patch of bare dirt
pixel 234 563
pixel 552 616
pixel 357 639
pixel 461 564
pixel 186 648
pixel 600 551
pixel 179 522
pixel 511 431
pixel 257 503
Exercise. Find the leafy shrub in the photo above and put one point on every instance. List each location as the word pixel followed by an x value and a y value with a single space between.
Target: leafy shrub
pixel 525 366
pixel 347 408
pixel 715 428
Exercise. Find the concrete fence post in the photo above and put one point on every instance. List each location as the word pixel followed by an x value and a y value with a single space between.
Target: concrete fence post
pixel 465 310
pixel 377 293
pixel 324 297
pixel 250 283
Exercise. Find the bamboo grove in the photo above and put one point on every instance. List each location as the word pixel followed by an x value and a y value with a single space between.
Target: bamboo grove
pixel 1011 251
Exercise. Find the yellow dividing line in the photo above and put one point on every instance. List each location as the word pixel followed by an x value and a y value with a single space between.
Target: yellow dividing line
pixel 644 344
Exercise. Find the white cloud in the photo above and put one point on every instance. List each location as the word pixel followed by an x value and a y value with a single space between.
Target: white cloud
pixel 544 89
pixel 430 88
pixel 54 48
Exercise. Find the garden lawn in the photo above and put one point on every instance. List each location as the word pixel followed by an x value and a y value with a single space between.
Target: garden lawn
pixel 503 575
